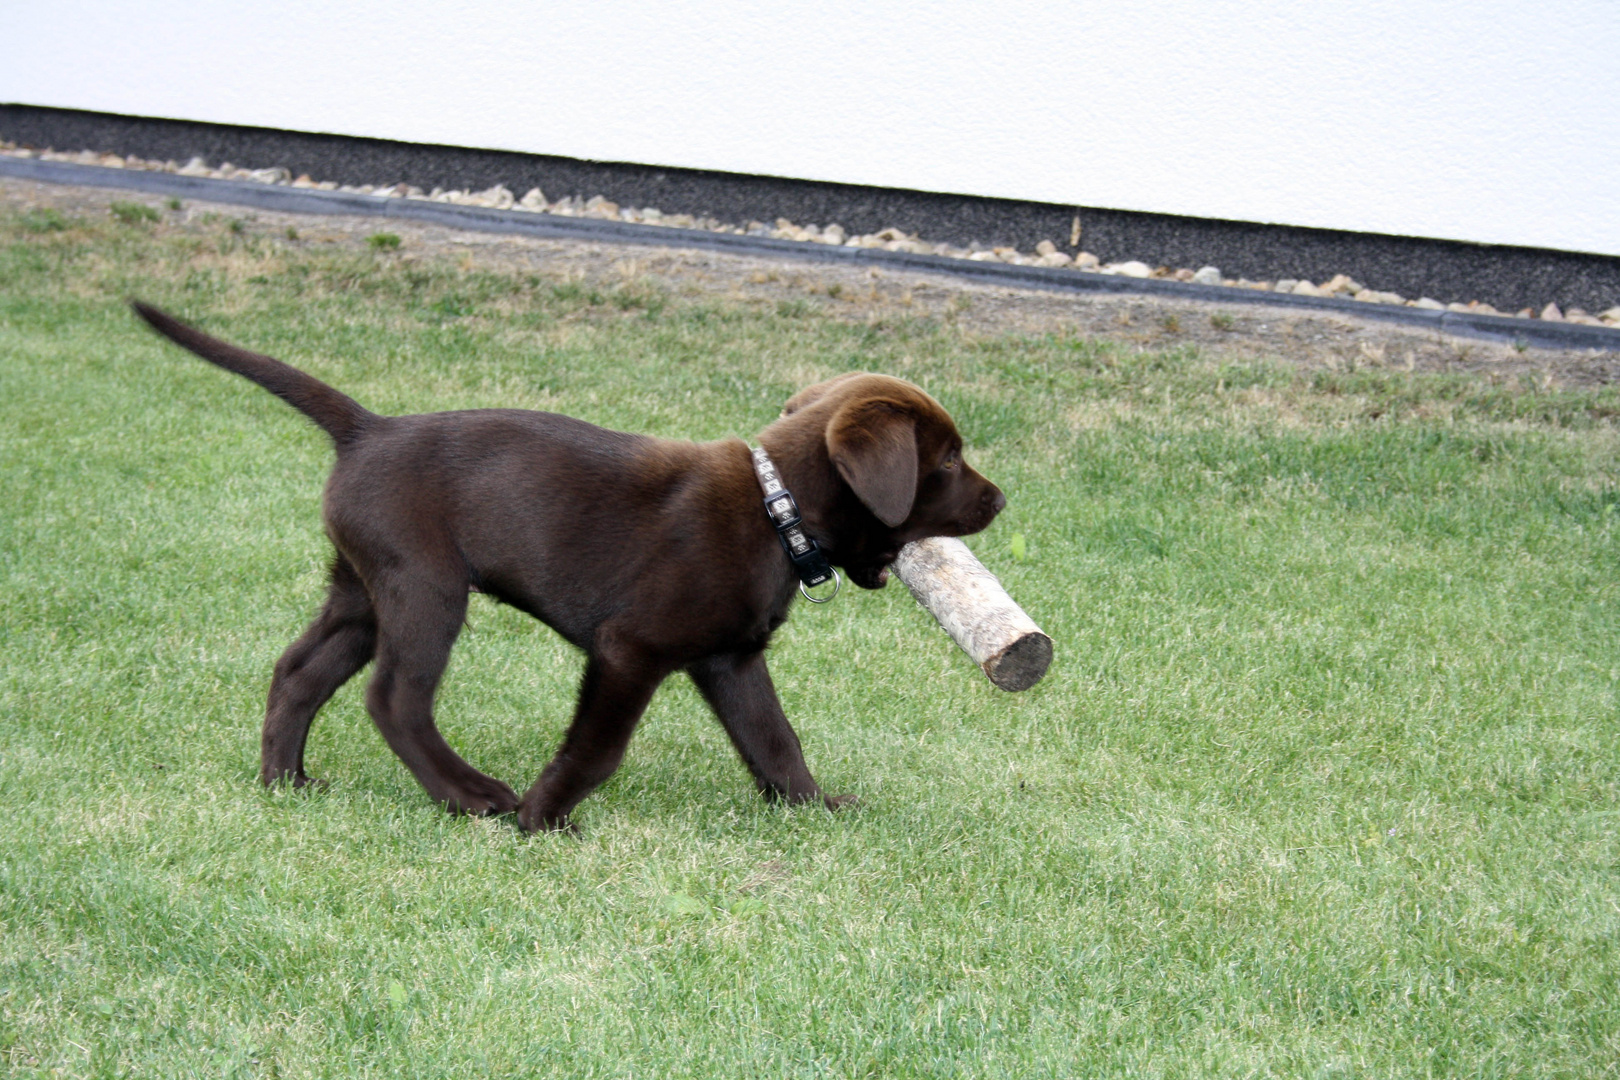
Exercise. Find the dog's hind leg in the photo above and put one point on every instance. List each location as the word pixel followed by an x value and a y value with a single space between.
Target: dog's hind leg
pixel 418 621
pixel 337 644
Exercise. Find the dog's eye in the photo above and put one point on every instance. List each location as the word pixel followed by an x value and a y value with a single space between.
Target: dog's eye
pixel 951 462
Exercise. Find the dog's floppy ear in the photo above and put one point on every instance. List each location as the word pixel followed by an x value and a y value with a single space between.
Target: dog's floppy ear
pixel 873 444
pixel 812 394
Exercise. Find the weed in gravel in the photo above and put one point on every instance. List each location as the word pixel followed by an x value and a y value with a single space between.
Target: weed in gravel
pixel 45 220
pixel 577 292
pixel 134 213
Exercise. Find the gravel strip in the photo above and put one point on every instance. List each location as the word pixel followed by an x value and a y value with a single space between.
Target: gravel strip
pixel 1045 255
pixel 858 288
pixel 274 197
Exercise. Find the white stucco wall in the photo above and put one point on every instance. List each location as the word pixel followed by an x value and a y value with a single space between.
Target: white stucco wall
pixel 1486 121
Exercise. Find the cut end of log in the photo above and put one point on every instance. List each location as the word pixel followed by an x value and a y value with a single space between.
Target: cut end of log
pixel 1022 664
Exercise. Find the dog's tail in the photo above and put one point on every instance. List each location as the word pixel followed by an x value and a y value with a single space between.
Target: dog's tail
pixel 337 414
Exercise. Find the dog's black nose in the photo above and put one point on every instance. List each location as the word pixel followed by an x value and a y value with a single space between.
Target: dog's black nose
pixel 998 501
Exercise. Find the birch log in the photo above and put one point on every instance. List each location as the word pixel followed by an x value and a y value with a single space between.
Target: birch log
pixel 976 611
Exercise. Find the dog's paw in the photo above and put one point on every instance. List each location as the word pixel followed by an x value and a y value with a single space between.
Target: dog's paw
pixel 840 802
pixel 535 819
pixel 294 780
pixel 482 797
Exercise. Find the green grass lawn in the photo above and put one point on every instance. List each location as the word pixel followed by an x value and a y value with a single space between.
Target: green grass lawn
pixel 1323 780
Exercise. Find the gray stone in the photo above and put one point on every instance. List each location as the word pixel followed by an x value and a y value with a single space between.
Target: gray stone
pixel 1207 275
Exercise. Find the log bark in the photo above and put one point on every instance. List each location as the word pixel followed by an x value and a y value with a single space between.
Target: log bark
pixel 976 611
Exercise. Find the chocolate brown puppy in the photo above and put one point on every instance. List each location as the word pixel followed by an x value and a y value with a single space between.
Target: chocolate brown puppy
pixel 651 556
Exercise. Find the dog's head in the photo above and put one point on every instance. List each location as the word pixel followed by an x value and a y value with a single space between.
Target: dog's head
pixel 876 463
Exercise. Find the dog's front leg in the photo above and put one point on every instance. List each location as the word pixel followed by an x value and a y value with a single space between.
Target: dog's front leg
pixel 739 690
pixel 612 697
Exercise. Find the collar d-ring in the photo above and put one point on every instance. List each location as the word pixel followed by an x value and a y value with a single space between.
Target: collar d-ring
pixel 804 590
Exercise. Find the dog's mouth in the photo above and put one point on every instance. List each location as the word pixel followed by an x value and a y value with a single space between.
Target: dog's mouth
pixel 871 575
